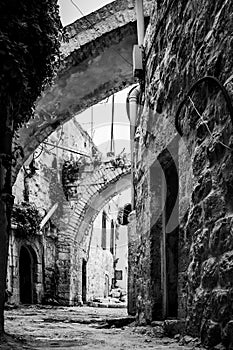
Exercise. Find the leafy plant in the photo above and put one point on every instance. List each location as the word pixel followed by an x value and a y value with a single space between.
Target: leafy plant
pixel 30 34
pixel 27 219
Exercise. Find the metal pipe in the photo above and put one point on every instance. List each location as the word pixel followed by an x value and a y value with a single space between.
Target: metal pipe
pixel 140 21
pixel 132 108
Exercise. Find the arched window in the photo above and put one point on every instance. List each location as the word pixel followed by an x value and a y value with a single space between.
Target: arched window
pixel 112 238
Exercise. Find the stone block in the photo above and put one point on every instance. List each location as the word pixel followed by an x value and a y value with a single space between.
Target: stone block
pixel 199 161
pixel 228 335
pixel 226 270
pixel 195 221
pixel 194 274
pixel 173 327
pixel 215 152
pixel 214 207
pixel 209 273
pixel 210 333
pixel 200 245
pixel 221 238
pixel 203 188
pixel 220 305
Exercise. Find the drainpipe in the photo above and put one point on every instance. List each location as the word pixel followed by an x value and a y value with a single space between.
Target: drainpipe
pixel 140 21
pixel 132 107
pixel 138 49
pixel 133 95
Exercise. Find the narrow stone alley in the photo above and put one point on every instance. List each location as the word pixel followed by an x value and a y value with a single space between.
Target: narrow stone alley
pixel 49 327
pixel 116 179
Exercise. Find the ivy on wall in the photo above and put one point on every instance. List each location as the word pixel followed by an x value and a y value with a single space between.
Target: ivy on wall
pixel 29 53
pixel 27 219
pixel 72 171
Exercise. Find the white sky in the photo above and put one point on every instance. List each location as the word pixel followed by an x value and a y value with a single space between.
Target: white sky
pixel 102 116
pixel 101 112
pixel 69 13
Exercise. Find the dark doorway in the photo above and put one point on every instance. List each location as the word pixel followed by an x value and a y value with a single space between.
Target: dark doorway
pixel 26 276
pixel 171 236
pixel 165 233
pixel 84 281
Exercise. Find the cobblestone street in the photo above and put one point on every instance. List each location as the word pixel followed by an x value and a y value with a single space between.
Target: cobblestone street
pixel 37 327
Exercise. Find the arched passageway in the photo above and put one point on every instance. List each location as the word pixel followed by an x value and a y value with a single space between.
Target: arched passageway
pixel 27 275
pixel 77 233
pixel 87 74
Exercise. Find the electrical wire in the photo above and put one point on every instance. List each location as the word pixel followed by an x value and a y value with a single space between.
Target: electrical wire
pixel 98 31
pixel 78 8
pixel 68 149
pixel 207 78
pixel 206 125
pixel 59 140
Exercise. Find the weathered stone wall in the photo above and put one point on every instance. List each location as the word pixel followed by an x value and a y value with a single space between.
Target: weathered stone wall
pixel 34 245
pixel 184 42
pixel 50 266
pixel 87 250
pixel 100 271
pixel 102 263
pixel 44 189
pixel 121 255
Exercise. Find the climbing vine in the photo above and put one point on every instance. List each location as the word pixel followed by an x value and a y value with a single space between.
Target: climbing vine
pixel 29 54
pixel 71 172
pixel 27 219
pixel 29 59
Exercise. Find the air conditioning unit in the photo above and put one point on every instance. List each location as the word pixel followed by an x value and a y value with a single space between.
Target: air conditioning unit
pixel 137 61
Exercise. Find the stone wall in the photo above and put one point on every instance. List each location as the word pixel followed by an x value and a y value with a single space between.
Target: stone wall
pixel 100 259
pixel 100 270
pixel 186 41
pixel 34 247
pixel 43 188
pixel 122 256
pixel 95 260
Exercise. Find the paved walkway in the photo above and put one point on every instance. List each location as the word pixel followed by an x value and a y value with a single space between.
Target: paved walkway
pixel 81 328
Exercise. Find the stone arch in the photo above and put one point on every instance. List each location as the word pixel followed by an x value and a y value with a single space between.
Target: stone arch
pixel 100 201
pixel 77 230
pixel 86 75
pixel 91 202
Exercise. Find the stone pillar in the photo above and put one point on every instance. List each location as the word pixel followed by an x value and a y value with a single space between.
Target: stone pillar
pixel 64 259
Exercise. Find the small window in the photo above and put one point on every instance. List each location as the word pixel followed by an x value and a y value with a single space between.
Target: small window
pixel 104 220
pixel 118 275
pixel 112 238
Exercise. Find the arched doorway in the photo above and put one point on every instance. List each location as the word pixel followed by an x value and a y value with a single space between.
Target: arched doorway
pixel 84 281
pixel 27 266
